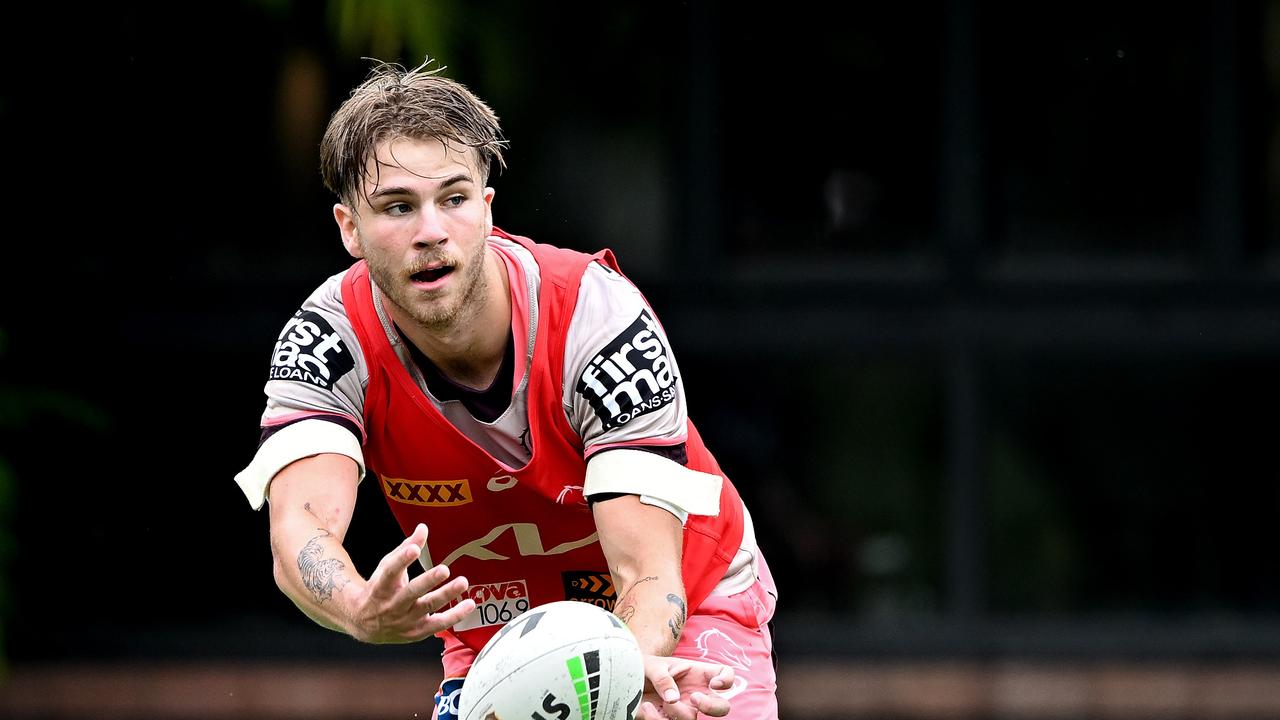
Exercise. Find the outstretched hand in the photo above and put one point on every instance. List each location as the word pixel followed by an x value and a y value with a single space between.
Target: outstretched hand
pixel 679 689
pixel 391 608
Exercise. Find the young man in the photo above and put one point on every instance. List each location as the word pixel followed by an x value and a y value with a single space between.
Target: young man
pixel 519 400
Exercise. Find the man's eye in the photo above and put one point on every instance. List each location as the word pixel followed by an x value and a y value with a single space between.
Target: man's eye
pixel 397 209
pixel 456 200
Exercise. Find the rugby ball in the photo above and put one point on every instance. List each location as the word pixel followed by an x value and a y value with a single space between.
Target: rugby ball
pixel 563 660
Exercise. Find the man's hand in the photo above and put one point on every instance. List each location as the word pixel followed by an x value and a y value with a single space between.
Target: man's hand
pixel 679 689
pixel 391 608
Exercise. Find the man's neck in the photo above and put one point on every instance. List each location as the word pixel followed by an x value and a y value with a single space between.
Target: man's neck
pixel 470 350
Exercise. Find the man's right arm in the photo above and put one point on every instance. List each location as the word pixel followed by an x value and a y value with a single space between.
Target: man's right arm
pixel 311 501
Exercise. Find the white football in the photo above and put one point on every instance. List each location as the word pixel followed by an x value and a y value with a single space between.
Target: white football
pixel 564 660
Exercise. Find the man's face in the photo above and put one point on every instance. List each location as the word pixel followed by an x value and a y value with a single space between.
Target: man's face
pixel 421 225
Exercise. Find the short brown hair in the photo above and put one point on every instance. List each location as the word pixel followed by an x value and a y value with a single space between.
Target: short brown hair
pixel 393 103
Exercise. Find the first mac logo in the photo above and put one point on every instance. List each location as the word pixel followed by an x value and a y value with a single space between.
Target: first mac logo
pixel 310 351
pixel 630 376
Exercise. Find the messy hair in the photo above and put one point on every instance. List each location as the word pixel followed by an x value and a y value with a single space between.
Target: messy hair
pixel 393 103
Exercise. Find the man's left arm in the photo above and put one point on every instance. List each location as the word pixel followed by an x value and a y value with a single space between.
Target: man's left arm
pixel 624 396
pixel 642 544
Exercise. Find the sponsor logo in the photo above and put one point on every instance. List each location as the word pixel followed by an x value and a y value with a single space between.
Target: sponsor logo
pixel 427 493
pixel 630 376
pixel 511 590
pixel 496 604
pixel 498 483
pixel 528 544
pixel 591 587
pixel 571 495
pixel 308 350
pixel 447 699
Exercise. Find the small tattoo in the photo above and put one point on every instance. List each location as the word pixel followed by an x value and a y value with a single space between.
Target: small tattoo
pixel 626 613
pixel 320 576
pixel 628 607
pixel 651 578
pixel 676 623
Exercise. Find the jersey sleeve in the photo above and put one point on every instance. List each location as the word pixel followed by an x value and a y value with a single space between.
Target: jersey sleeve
pixel 624 396
pixel 622 385
pixel 315 392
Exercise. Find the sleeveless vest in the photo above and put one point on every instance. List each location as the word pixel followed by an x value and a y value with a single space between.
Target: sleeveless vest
pixel 522 536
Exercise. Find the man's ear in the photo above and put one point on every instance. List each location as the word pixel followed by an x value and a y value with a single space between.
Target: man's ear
pixel 488 211
pixel 346 218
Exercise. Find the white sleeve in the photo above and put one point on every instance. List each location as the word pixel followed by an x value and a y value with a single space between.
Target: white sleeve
pixel 304 438
pixel 658 480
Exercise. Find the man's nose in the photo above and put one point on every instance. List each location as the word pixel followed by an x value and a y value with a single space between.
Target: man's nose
pixel 430 231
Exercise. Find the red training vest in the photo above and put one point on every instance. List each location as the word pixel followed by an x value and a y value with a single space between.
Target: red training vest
pixel 513 532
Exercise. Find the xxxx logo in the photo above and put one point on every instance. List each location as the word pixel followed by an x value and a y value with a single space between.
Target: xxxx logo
pixel 429 494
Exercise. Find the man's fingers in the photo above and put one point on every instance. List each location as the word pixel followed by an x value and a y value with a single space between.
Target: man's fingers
pixel 648 712
pixel 723 679
pixel 679 666
pixel 387 576
pixel 699 679
pixel 420 621
pixel 679 711
pixel 432 601
pixel 426 582
pixel 419 535
pixel 710 704
pixel 665 686
pixel 434 623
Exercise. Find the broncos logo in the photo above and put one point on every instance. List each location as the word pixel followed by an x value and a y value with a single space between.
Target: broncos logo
pixel 717 647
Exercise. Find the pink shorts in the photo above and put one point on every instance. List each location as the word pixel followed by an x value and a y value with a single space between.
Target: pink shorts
pixel 733 630
pixel 728 630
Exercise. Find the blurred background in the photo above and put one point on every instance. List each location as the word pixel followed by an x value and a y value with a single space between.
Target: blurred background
pixel 977 303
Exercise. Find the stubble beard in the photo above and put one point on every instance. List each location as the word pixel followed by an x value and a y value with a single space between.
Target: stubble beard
pixel 438 315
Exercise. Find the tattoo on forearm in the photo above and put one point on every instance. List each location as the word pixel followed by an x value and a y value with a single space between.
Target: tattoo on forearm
pixel 676 623
pixel 626 607
pixel 319 575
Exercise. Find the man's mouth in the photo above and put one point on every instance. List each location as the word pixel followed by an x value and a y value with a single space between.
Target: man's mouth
pixel 431 274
